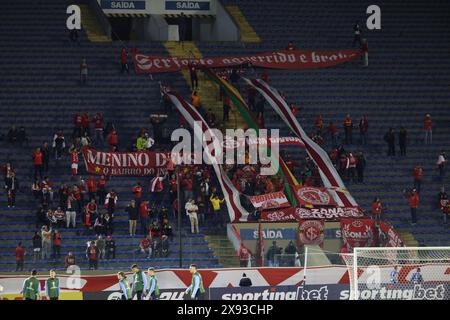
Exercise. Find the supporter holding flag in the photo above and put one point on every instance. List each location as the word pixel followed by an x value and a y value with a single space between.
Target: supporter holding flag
pixel 156 188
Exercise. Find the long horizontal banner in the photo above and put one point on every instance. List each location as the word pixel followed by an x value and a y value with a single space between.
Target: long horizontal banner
pixel 296 214
pixel 313 196
pixel 143 163
pixel 297 59
pixel 173 283
pixel 268 201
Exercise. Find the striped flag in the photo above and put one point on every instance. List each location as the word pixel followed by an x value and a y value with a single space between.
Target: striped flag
pixel 235 210
pixel 331 179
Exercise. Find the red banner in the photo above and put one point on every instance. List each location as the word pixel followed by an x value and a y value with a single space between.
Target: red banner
pixel 125 163
pixel 313 196
pixel 392 239
pixel 295 214
pixel 272 200
pixel 298 59
pixel 311 232
pixel 358 233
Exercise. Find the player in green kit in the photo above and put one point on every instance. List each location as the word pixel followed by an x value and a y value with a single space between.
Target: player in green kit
pixel 31 289
pixel 52 286
pixel 124 286
pixel 196 289
pixel 153 288
pixel 139 282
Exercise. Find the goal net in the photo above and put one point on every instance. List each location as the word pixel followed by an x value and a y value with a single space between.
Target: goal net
pixel 404 273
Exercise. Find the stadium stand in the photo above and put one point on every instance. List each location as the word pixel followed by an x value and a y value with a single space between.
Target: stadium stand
pixel 406 78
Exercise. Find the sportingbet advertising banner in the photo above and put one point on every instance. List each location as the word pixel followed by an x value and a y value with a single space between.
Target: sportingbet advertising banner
pixel 143 163
pixel 289 60
pixel 307 196
pixel 322 283
pixel 358 233
pixel 272 200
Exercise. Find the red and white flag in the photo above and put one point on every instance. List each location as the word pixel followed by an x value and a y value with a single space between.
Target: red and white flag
pixel 330 177
pixel 231 195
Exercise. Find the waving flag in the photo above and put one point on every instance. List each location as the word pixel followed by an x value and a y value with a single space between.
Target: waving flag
pixel 235 210
pixel 331 179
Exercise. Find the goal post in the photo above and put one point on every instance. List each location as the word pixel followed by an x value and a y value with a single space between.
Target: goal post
pixel 399 273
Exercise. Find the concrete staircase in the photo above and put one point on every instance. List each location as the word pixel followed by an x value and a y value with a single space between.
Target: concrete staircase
pixel 92 27
pixel 247 32
pixel 223 250
pixel 208 91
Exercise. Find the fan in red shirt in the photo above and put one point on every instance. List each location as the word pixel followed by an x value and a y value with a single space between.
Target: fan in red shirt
pixel 74 162
pixel 377 209
pixel 37 160
pixel 418 175
pixel 92 187
pixel 98 127
pixel 20 257
pixel 101 189
pixel 124 60
pixel 244 256
pixel 90 211
pixel 137 193
pixel 413 202
pixel 113 140
pixel 143 216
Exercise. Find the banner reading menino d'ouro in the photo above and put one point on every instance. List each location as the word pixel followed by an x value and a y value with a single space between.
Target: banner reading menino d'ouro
pixel 282 59
pixel 124 163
